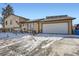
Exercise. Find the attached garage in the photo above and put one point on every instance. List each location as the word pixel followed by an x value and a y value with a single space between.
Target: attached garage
pixel 51 24
pixel 59 28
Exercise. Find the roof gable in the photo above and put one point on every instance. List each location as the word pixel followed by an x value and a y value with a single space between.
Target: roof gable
pixel 20 18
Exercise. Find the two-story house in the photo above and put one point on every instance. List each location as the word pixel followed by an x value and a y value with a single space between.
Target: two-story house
pixel 11 23
pixel 61 24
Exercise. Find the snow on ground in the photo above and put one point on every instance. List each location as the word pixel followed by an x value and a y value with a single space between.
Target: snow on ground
pixel 24 44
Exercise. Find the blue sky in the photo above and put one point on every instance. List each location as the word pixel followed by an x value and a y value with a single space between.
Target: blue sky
pixel 41 10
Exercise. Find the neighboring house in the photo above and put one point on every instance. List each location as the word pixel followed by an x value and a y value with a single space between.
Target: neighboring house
pixel 61 24
pixel 11 23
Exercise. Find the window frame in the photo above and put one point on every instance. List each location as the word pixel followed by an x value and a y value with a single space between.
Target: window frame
pixel 6 22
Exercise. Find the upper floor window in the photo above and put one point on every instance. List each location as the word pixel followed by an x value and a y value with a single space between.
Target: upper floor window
pixel 16 21
pixel 6 22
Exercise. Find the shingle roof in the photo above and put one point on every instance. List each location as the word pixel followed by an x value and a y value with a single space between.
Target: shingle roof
pixel 59 17
pixel 48 18
pixel 20 18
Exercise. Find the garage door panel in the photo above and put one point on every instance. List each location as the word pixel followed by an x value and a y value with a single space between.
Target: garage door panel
pixel 55 28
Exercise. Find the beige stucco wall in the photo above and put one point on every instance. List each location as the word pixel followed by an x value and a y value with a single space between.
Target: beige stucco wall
pixel 36 27
pixel 40 27
pixel 70 27
pixel 13 19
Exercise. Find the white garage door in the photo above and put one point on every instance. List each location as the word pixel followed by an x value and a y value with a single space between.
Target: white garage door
pixel 60 28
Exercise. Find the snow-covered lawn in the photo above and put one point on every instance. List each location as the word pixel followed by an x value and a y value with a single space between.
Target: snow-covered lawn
pixel 24 44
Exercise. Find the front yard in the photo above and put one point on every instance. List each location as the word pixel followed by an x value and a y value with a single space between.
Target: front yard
pixel 24 44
